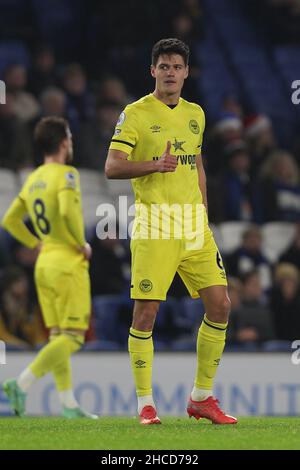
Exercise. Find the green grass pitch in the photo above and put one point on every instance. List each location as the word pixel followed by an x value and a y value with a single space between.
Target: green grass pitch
pixel 127 434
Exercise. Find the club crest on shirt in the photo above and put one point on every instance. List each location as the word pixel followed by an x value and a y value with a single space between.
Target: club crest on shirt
pixel 121 119
pixel 194 126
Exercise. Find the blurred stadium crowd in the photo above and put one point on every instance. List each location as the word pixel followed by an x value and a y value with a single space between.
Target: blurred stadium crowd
pixel 86 60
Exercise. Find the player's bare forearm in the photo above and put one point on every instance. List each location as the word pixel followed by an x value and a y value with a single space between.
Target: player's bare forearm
pixel 202 180
pixel 121 168
pixel 118 167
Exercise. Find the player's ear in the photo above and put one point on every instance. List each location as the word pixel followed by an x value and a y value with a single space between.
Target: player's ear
pixel 64 144
pixel 153 71
pixel 187 70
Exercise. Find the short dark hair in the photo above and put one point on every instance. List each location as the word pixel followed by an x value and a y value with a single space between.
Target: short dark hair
pixel 170 46
pixel 49 133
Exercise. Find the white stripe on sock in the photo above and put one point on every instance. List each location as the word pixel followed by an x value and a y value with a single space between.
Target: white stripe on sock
pixel 147 400
pixel 26 379
pixel 200 394
pixel 67 399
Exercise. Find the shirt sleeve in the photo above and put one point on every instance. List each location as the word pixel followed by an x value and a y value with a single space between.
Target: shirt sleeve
pixel 125 137
pixel 69 180
pixel 202 128
pixel 13 222
pixel 69 199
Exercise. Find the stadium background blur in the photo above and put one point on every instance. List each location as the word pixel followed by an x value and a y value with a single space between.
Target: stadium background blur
pixel 85 60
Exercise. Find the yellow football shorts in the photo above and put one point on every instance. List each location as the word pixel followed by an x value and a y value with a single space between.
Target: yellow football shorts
pixel 155 262
pixel 64 296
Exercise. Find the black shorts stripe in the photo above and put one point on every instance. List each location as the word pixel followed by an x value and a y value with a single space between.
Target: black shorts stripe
pixel 123 142
pixel 215 327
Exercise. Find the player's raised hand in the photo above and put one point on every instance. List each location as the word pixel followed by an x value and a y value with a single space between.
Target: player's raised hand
pixel 167 162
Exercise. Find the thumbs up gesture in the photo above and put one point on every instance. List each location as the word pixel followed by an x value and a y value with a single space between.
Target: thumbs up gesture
pixel 167 162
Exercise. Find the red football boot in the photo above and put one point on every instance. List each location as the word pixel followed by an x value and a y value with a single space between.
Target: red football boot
pixel 209 409
pixel 148 416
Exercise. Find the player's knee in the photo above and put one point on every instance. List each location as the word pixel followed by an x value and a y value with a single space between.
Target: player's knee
pixel 144 316
pixel 77 337
pixel 54 333
pixel 226 306
pixel 220 310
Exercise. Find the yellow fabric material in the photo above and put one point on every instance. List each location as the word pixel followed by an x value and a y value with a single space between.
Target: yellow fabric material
pixel 140 346
pixel 210 346
pixel 56 352
pixel 64 296
pixel 51 196
pixel 153 269
pixel 142 132
pixel 62 373
pixel 14 224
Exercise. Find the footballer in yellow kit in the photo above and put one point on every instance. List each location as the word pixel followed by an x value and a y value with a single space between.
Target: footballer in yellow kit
pixel 142 131
pixel 50 193
pixel 51 198
pixel 157 144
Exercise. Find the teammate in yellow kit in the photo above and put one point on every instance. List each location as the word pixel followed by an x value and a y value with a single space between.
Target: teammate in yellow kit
pixel 157 143
pixel 51 197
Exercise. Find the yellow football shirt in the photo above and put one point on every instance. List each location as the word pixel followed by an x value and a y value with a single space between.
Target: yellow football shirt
pixel 142 132
pixel 51 197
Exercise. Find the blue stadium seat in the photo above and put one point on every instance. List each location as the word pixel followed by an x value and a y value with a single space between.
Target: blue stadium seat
pixel 166 320
pixel 101 345
pixel 276 346
pixel 13 52
pixel 106 310
pixel 107 316
pixel 247 347
pixel 60 22
pixel 192 312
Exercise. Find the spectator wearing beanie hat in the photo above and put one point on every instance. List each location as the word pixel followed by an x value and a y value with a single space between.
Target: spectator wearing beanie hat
pixel 228 129
pixel 260 138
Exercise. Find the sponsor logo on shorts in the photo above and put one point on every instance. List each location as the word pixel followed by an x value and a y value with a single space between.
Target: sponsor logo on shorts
pixel 146 285
pixel 194 126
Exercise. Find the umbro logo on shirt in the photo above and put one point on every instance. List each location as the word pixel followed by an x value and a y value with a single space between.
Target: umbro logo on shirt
pixel 155 129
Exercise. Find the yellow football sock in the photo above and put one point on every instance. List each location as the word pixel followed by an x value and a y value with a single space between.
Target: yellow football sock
pixel 210 346
pixel 62 373
pixel 140 346
pixel 55 353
